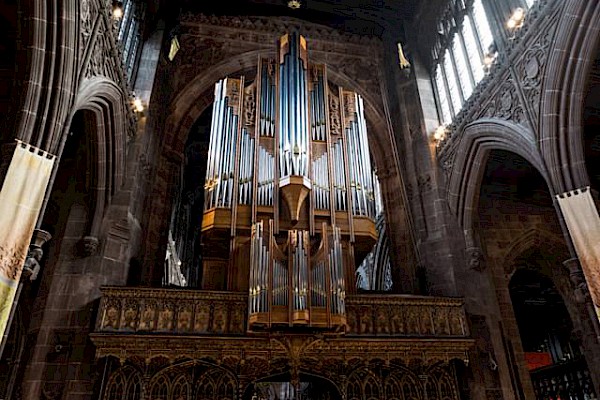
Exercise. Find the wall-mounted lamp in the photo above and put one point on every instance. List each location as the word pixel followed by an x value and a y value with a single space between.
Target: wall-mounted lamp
pixel 440 134
pixel 516 19
pixel 138 105
pixel 117 10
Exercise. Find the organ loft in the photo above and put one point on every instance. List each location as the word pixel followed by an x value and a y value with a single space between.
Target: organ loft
pixel 290 193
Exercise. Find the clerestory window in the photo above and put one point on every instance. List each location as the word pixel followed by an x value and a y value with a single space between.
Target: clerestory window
pixel 461 55
pixel 129 36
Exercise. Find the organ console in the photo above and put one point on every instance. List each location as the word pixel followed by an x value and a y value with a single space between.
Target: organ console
pixel 290 192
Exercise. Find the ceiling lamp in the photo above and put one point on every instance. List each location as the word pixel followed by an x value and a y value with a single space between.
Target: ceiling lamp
pixel 294 4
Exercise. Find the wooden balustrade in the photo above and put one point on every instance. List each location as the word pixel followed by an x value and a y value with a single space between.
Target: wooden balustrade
pixel 194 312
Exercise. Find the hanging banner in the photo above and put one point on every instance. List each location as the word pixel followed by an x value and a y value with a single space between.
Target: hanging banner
pixel 21 199
pixel 583 222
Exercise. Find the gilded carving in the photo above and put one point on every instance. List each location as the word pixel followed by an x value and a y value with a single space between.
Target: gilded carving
pixel 383 325
pixel 249 106
pixel 147 321
pixel 237 319
pixel 129 317
pixel 220 320
pixel 202 318
pixel 165 318
pixel 334 114
pixel 184 318
pixel 111 315
pixel 424 315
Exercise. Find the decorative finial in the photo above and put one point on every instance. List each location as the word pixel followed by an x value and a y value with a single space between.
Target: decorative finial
pixel 294 4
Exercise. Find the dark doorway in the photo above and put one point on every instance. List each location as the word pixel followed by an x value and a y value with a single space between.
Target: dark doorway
pixel 280 387
pixel 554 359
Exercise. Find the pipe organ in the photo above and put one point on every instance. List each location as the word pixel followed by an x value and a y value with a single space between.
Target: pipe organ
pixel 290 192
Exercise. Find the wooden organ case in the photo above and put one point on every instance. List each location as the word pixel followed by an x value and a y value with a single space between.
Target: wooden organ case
pixel 289 206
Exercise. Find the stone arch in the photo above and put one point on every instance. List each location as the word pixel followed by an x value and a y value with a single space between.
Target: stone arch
pixel 49 79
pixel 478 139
pixel 561 121
pixel 532 238
pixel 106 102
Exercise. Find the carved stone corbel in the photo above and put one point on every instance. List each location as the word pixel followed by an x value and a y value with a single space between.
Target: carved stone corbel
pixel 580 288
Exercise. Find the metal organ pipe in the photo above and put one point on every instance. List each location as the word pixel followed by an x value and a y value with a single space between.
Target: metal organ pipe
pixel 293 127
pixel 246 167
pixel 320 179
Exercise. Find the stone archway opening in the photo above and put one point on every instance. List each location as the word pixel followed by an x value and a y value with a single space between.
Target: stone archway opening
pixel 282 387
pixel 551 347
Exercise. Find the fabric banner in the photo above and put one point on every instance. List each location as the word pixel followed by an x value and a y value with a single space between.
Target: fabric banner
pixel 21 199
pixel 583 222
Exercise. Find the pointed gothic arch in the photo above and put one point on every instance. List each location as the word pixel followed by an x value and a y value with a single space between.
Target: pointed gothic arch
pixel 570 61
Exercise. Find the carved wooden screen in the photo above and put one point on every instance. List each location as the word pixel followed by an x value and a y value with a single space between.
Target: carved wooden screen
pixel 124 384
pixel 400 384
pixel 216 385
pixel 181 389
pixel 160 388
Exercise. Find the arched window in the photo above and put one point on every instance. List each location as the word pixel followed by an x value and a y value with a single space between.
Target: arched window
pixel 465 41
pixel 129 36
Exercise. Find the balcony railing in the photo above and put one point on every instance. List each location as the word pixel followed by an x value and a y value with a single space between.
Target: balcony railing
pixel 194 312
pixel 405 315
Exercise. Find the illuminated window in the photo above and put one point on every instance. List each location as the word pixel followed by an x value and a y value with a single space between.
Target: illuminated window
pixel 482 25
pixel 446 114
pixel 473 52
pixel 129 36
pixel 452 83
pixel 465 40
pixel 462 68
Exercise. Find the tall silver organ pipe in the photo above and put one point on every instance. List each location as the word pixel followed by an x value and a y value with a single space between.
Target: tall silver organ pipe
pixel 267 99
pixel 266 177
pixel 259 274
pixel 320 179
pixel 218 186
pixel 293 107
pixel 339 176
pixel 246 168
pixel 317 106
pixel 299 241
pixel 337 286
pixel 359 160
